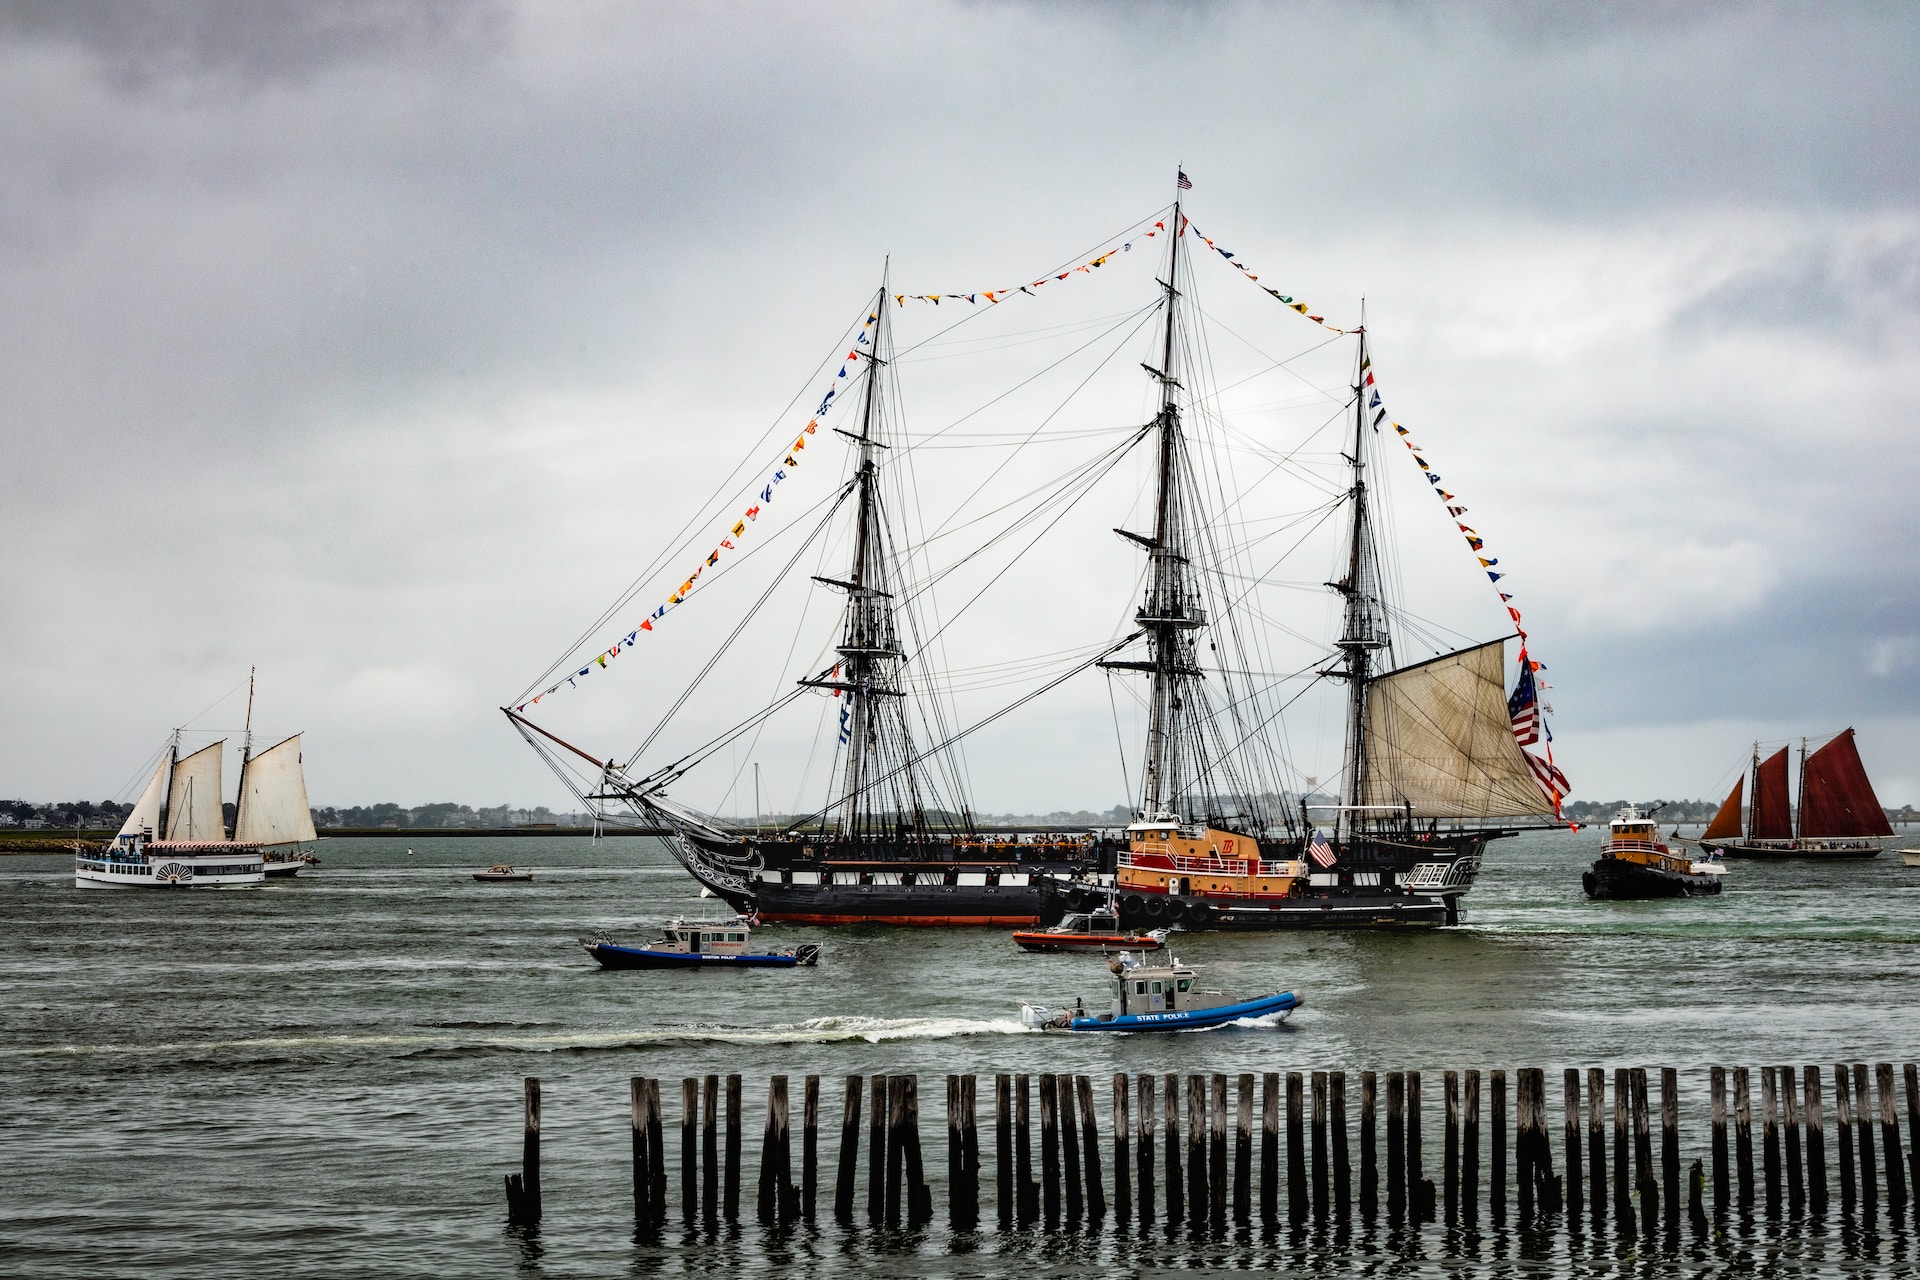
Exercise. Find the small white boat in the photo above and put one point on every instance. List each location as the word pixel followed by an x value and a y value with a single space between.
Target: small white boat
pixel 1911 857
pixel 503 874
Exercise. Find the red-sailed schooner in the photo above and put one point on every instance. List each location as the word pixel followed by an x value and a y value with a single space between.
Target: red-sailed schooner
pixel 1839 816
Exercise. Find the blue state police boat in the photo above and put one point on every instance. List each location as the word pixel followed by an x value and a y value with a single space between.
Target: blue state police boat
pixel 698 944
pixel 1164 996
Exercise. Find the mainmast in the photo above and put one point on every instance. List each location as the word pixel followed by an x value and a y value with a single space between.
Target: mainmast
pixel 1365 627
pixel 1171 612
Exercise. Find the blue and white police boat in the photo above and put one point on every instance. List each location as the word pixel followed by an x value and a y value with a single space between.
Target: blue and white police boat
pixel 1162 996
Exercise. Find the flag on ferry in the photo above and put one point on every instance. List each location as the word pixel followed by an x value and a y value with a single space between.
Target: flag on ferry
pixel 1319 850
pixel 1523 708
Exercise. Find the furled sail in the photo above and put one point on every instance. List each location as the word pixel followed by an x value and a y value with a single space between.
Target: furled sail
pixel 1439 738
pixel 193 798
pixel 273 798
pixel 146 813
pixel 1772 814
pixel 1726 823
pixel 1835 797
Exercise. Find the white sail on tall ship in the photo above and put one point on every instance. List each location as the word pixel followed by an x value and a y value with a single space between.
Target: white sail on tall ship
pixel 176 836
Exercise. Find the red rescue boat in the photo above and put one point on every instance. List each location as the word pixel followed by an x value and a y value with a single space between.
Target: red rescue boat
pixel 1089 931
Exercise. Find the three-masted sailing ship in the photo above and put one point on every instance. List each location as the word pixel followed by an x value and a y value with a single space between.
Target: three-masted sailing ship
pixel 1838 816
pixel 1220 836
pixel 176 837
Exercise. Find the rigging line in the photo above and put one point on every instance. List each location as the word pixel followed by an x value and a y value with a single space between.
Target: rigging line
pixel 1048 528
pixel 971 729
pixel 1278 364
pixel 1075 259
pixel 1042 424
pixel 1119 741
pixel 739 627
pixel 675 546
pixel 210 706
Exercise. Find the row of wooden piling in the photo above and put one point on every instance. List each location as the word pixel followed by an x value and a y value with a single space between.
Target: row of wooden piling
pixel 1207 1170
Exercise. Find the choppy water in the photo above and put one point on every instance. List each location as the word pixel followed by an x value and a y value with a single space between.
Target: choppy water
pixel 323 1076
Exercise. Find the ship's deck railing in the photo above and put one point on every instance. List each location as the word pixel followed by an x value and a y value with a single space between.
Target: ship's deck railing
pixel 1208 866
pixel 1643 846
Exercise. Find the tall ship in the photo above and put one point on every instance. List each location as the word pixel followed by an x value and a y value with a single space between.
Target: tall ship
pixel 1224 829
pixel 1838 816
pixel 176 837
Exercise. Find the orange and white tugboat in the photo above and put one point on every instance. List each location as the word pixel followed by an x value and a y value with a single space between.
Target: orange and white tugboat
pixel 1636 864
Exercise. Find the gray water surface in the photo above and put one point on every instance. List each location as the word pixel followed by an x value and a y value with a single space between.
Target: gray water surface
pixel 323 1077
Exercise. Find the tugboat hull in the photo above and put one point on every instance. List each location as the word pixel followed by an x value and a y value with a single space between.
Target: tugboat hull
pixel 1613 880
pixel 1313 910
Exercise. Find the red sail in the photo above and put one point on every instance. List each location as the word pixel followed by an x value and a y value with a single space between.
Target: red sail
pixel 1772 816
pixel 1726 823
pixel 1835 797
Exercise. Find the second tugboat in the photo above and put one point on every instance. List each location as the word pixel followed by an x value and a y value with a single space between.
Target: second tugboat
pixel 1637 864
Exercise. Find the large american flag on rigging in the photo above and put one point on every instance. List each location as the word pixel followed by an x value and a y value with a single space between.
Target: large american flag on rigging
pixel 1523 708
pixel 1319 850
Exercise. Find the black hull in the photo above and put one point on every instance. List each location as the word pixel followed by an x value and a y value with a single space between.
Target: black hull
pixel 1796 850
pixel 924 905
pixel 1389 910
pixel 1611 880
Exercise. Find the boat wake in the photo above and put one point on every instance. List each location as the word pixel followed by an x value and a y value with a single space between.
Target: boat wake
pixel 812 1031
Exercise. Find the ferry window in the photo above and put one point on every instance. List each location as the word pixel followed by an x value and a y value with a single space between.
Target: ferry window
pixel 1186 984
pixel 1139 988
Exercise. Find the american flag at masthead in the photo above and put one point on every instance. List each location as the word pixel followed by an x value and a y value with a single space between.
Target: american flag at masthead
pixel 1185 183
pixel 1319 850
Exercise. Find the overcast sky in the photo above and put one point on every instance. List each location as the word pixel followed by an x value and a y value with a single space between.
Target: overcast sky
pixel 380 346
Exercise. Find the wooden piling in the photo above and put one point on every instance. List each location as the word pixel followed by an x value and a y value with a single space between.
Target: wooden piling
pixel 642 1175
pixel 1069 1149
pixel 710 1150
pixel 1027 1202
pixel 689 1149
pixel 1497 1153
pixel 1090 1149
pixel 1743 1138
pixel 523 1188
pixel 1317 1117
pixel 1622 1155
pixel 1396 1142
pixel 919 1195
pixel 879 1114
pixel 1417 1207
pixel 1596 1145
pixel 1296 1150
pixel 969 1152
pixel 782 1203
pixel 1770 1140
pixel 1270 1148
pixel 1122 1148
pixel 1342 1173
pixel 809 1147
pixel 1145 1126
pixel 730 1208
pixel 1718 1088
pixel 1816 1143
pixel 1863 1140
pixel 1696 1212
pixel 956 1180
pixel 1552 1192
pixel 846 1170
pixel 1570 1135
pixel 1176 1193
pixel 1217 1152
pixel 1911 1074
pixel 1470 1149
pixel 1003 1175
pixel 1670 1143
pixel 1890 1138
pixel 1790 1135
pixel 656 1157
pixel 1527 1121
pixel 1197 1150
pixel 1450 1148
pixel 1369 1159
pixel 1642 1128
pixel 1843 1130
pixel 766 1201
pixel 1243 1150
pixel 899 1188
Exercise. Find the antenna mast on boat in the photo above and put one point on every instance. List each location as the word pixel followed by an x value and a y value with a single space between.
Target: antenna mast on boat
pixel 1364 629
